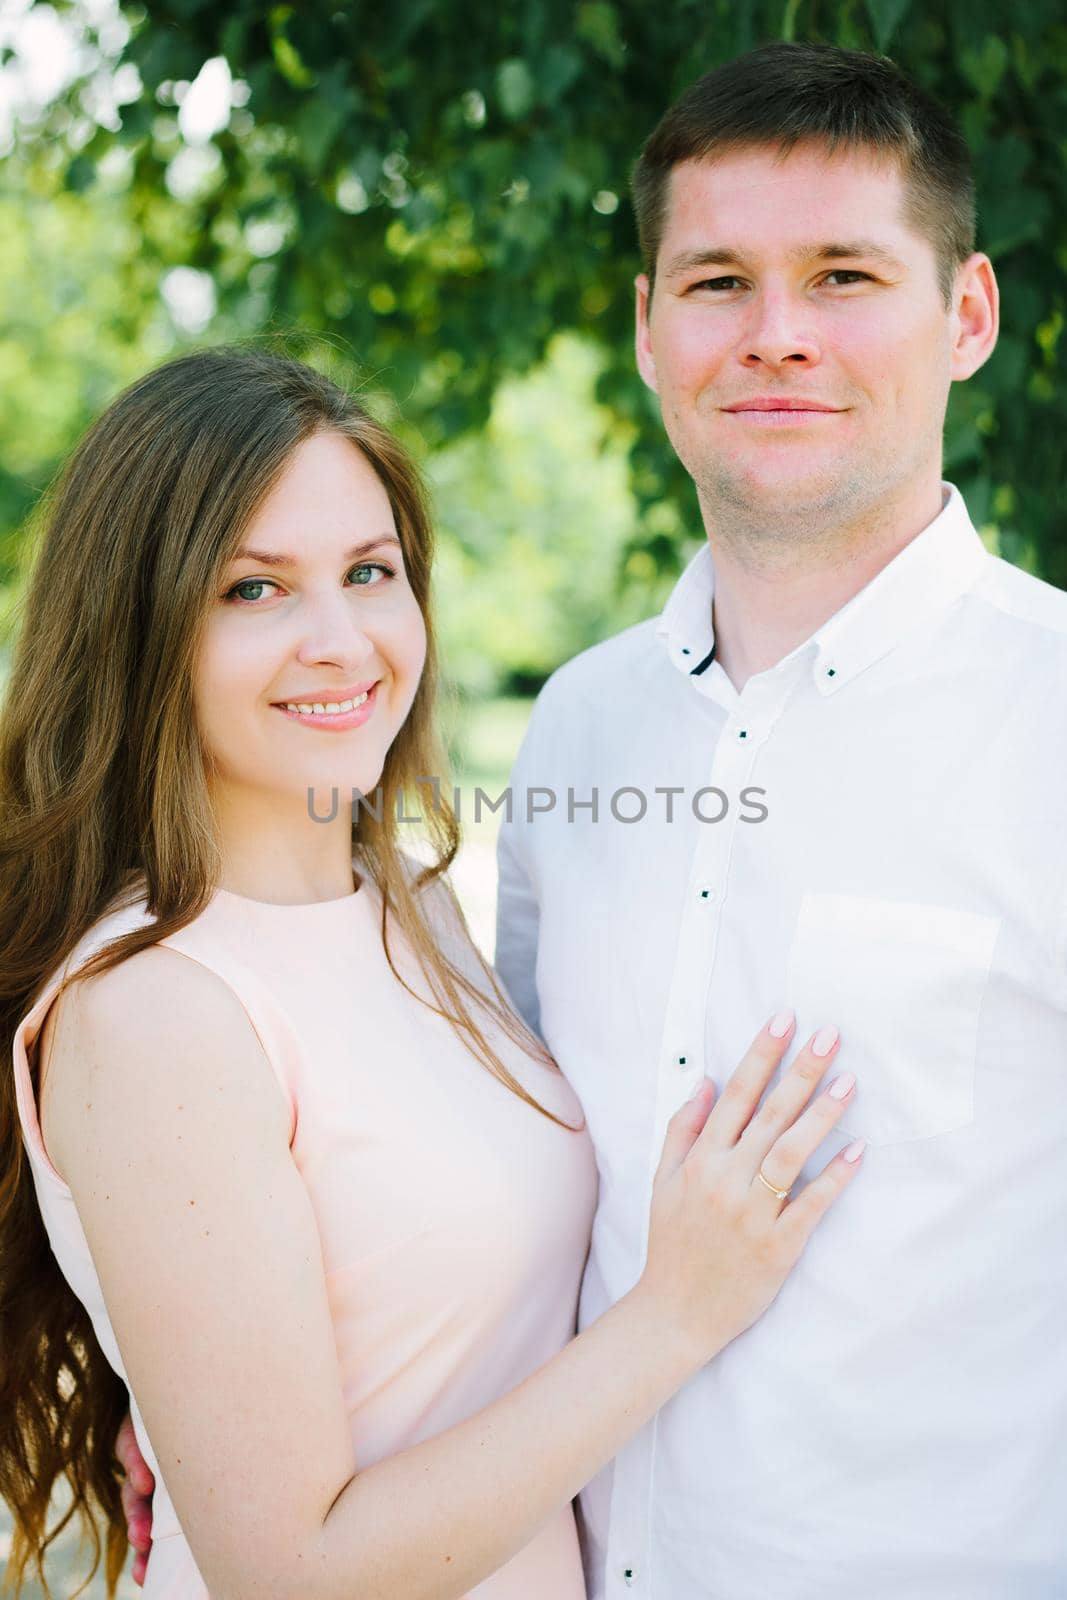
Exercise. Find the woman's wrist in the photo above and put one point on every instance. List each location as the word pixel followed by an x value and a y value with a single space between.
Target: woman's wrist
pixel 673 1351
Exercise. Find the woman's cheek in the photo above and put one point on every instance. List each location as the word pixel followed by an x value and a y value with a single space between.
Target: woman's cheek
pixel 414 649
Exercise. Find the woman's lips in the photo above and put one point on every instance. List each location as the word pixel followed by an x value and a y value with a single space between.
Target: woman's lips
pixel 338 721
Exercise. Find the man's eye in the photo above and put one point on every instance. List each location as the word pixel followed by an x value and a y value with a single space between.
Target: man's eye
pixel 725 284
pixel 715 283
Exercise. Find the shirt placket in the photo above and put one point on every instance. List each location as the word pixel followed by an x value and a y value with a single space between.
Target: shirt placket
pixel 682 1065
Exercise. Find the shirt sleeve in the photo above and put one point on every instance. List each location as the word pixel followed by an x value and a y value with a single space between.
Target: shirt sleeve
pixel 517 909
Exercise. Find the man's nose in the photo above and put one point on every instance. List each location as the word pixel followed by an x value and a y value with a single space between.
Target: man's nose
pixel 780 328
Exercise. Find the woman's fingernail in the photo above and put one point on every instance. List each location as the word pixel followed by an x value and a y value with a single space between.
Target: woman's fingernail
pixel 781 1024
pixel 855 1149
pixel 843 1086
pixel 824 1040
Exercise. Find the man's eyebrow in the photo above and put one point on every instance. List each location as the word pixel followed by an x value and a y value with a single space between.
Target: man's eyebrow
pixel 271 558
pixel 726 256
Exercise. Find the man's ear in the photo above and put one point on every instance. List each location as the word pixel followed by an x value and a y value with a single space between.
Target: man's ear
pixel 976 314
pixel 646 363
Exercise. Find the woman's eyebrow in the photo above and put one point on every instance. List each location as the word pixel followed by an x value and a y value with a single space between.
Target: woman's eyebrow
pixel 271 558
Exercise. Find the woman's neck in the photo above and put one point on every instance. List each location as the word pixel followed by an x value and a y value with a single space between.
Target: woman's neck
pixel 274 849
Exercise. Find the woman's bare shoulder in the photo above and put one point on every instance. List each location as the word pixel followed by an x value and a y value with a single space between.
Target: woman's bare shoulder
pixel 156 1030
pixel 137 994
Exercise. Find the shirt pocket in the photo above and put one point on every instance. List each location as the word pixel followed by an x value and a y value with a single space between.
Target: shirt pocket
pixel 904 982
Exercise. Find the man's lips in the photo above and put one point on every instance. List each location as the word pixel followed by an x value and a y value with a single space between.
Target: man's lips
pixel 768 403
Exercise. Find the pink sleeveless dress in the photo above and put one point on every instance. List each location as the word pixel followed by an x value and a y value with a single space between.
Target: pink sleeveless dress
pixel 454 1218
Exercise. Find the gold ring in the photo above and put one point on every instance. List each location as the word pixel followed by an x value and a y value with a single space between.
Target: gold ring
pixel 779 1194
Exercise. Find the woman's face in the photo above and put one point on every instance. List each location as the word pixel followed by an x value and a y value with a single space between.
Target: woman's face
pixel 313 612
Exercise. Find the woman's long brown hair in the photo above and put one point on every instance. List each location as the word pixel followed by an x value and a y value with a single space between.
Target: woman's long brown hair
pixel 104 798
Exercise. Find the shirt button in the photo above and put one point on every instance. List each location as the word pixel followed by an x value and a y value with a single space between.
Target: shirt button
pixel 707 894
pixel 681 1061
pixel 628 1577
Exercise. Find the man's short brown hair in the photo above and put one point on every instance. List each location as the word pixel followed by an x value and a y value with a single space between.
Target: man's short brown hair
pixel 782 94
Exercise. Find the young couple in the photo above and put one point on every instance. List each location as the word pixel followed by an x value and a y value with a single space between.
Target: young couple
pixel 284 1172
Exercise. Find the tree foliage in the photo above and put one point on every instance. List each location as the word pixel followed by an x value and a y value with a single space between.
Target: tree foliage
pixel 441 188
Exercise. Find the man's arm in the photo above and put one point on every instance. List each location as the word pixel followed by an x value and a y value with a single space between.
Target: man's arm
pixel 137 1490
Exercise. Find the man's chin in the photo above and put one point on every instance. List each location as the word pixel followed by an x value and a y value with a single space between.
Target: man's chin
pixel 786 490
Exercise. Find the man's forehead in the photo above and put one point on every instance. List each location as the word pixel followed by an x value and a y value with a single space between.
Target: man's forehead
pixel 807 204
pixel 742 174
pixel 844 162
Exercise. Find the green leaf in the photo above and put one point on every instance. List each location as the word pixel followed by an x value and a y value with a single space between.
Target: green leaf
pixel 322 117
pixel 515 88
pixel 1005 371
pixel 233 38
pixel 978 493
pixel 80 175
pixel 886 17
pixel 286 55
pixel 136 120
pixel 597 24
pixel 745 26
pixel 162 53
pixel 186 10
pixel 560 67
pixel 984 68
pixel 1010 218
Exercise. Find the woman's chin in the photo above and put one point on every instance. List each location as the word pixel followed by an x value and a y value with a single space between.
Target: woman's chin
pixel 324 796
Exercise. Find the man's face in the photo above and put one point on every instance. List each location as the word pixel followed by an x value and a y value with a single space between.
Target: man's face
pixel 787 281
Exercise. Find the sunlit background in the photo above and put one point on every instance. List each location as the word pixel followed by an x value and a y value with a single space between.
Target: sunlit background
pixel 435 197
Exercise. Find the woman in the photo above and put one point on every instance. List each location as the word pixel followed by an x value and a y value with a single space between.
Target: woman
pixel 316 1199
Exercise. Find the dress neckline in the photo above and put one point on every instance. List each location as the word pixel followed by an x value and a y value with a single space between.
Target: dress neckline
pixel 357 895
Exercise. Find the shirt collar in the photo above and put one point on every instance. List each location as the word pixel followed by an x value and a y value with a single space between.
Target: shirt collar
pixel 685 623
pixel 940 564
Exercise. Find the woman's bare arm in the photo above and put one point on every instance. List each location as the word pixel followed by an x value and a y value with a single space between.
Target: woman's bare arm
pixel 167 1122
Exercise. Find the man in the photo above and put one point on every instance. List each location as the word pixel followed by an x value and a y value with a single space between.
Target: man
pixel 854 717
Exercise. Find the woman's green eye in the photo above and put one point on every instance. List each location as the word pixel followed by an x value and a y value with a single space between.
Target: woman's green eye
pixel 371 572
pixel 249 583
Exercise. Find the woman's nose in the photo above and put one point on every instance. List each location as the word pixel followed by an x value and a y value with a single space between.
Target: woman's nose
pixel 334 632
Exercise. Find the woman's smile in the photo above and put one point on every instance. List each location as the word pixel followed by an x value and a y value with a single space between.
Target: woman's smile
pixel 333 715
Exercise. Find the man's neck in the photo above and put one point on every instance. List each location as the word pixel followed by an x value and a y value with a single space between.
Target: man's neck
pixel 767 602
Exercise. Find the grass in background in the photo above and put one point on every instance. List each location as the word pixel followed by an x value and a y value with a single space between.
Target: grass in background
pixel 486 737
pixel 486 740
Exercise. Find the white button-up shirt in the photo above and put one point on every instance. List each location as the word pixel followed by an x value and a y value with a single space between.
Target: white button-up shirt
pixel 889 855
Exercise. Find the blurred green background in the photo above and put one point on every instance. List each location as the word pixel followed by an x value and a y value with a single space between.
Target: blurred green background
pixel 430 200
